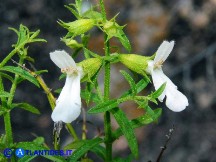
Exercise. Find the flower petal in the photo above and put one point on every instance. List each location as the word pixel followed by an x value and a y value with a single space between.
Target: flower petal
pixel 68 106
pixel 62 59
pixel 158 80
pixel 175 100
pixel 163 51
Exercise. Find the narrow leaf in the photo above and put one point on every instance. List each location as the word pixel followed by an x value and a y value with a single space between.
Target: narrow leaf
pixel 74 12
pixel 139 86
pixel 27 107
pixel 4 94
pixel 6 76
pixel 158 92
pixel 127 159
pixel 124 40
pixel 127 130
pixel 23 73
pixel 146 119
pixel 26 158
pixel 87 146
pixel 99 151
pixel 104 106
pixel 140 121
pixel 130 81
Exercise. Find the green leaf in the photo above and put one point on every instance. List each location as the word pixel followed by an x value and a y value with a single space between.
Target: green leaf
pixel 78 6
pixel 130 81
pixel 104 106
pixel 39 140
pixel 6 76
pixel 75 144
pixel 139 86
pixel 73 11
pixel 58 90
pixel 39 72
pixel 94 96
pixel 25 36
pixel 99 151
pixel 127 129
pixel 158 92
pixel 4 94
pixel 3 110
pixel 146 118
pixel 27 107
pixel 124 40
pixel 84 148
pixel 3 141
pixel 91 14
pixel 27 158
pixel 89 53
pixel 63 75
pixel 23 73
pixel 139 122
pixel 127 159
pixel 2 157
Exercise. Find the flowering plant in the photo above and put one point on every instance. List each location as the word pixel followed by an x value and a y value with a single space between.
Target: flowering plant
pixel 68 106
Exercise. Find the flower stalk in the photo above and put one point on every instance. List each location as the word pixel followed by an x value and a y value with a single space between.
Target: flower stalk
pixel 107 120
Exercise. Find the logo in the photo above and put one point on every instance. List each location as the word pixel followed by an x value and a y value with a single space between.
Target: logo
pixel 19 152
pixel 8 152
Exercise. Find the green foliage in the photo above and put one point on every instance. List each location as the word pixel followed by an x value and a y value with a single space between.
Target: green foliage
pixel 23 73
pixel 130 81
pixel 25 36
pixel 112 29
pixel 4 94
pixel 82 147
pixel 126 129
pixel 26 107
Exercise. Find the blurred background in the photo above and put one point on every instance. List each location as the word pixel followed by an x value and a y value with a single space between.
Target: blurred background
pixel 191 66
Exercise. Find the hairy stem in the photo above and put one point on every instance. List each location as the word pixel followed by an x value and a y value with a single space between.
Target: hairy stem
pixel 107 120
pixel 7 119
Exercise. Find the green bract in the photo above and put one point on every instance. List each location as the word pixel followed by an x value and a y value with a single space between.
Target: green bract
pixel 72 43
pixel 90 67
pixel 135 62
pixel 112 29
pixel 78 27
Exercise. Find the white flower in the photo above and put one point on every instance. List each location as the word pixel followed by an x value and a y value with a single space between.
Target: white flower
pixel 68 104
pixel 175 100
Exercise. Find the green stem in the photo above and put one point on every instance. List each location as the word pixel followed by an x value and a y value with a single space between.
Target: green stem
pixel 72 131
pixel 7 119
pixel 107 120
pixel 103 11
pixel 11 54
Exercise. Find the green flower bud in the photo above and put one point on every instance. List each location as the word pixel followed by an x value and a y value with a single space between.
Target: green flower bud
pixel 112 28
pixel 135 62
pixel 79 26
pixel 90 67
pixel 71 43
